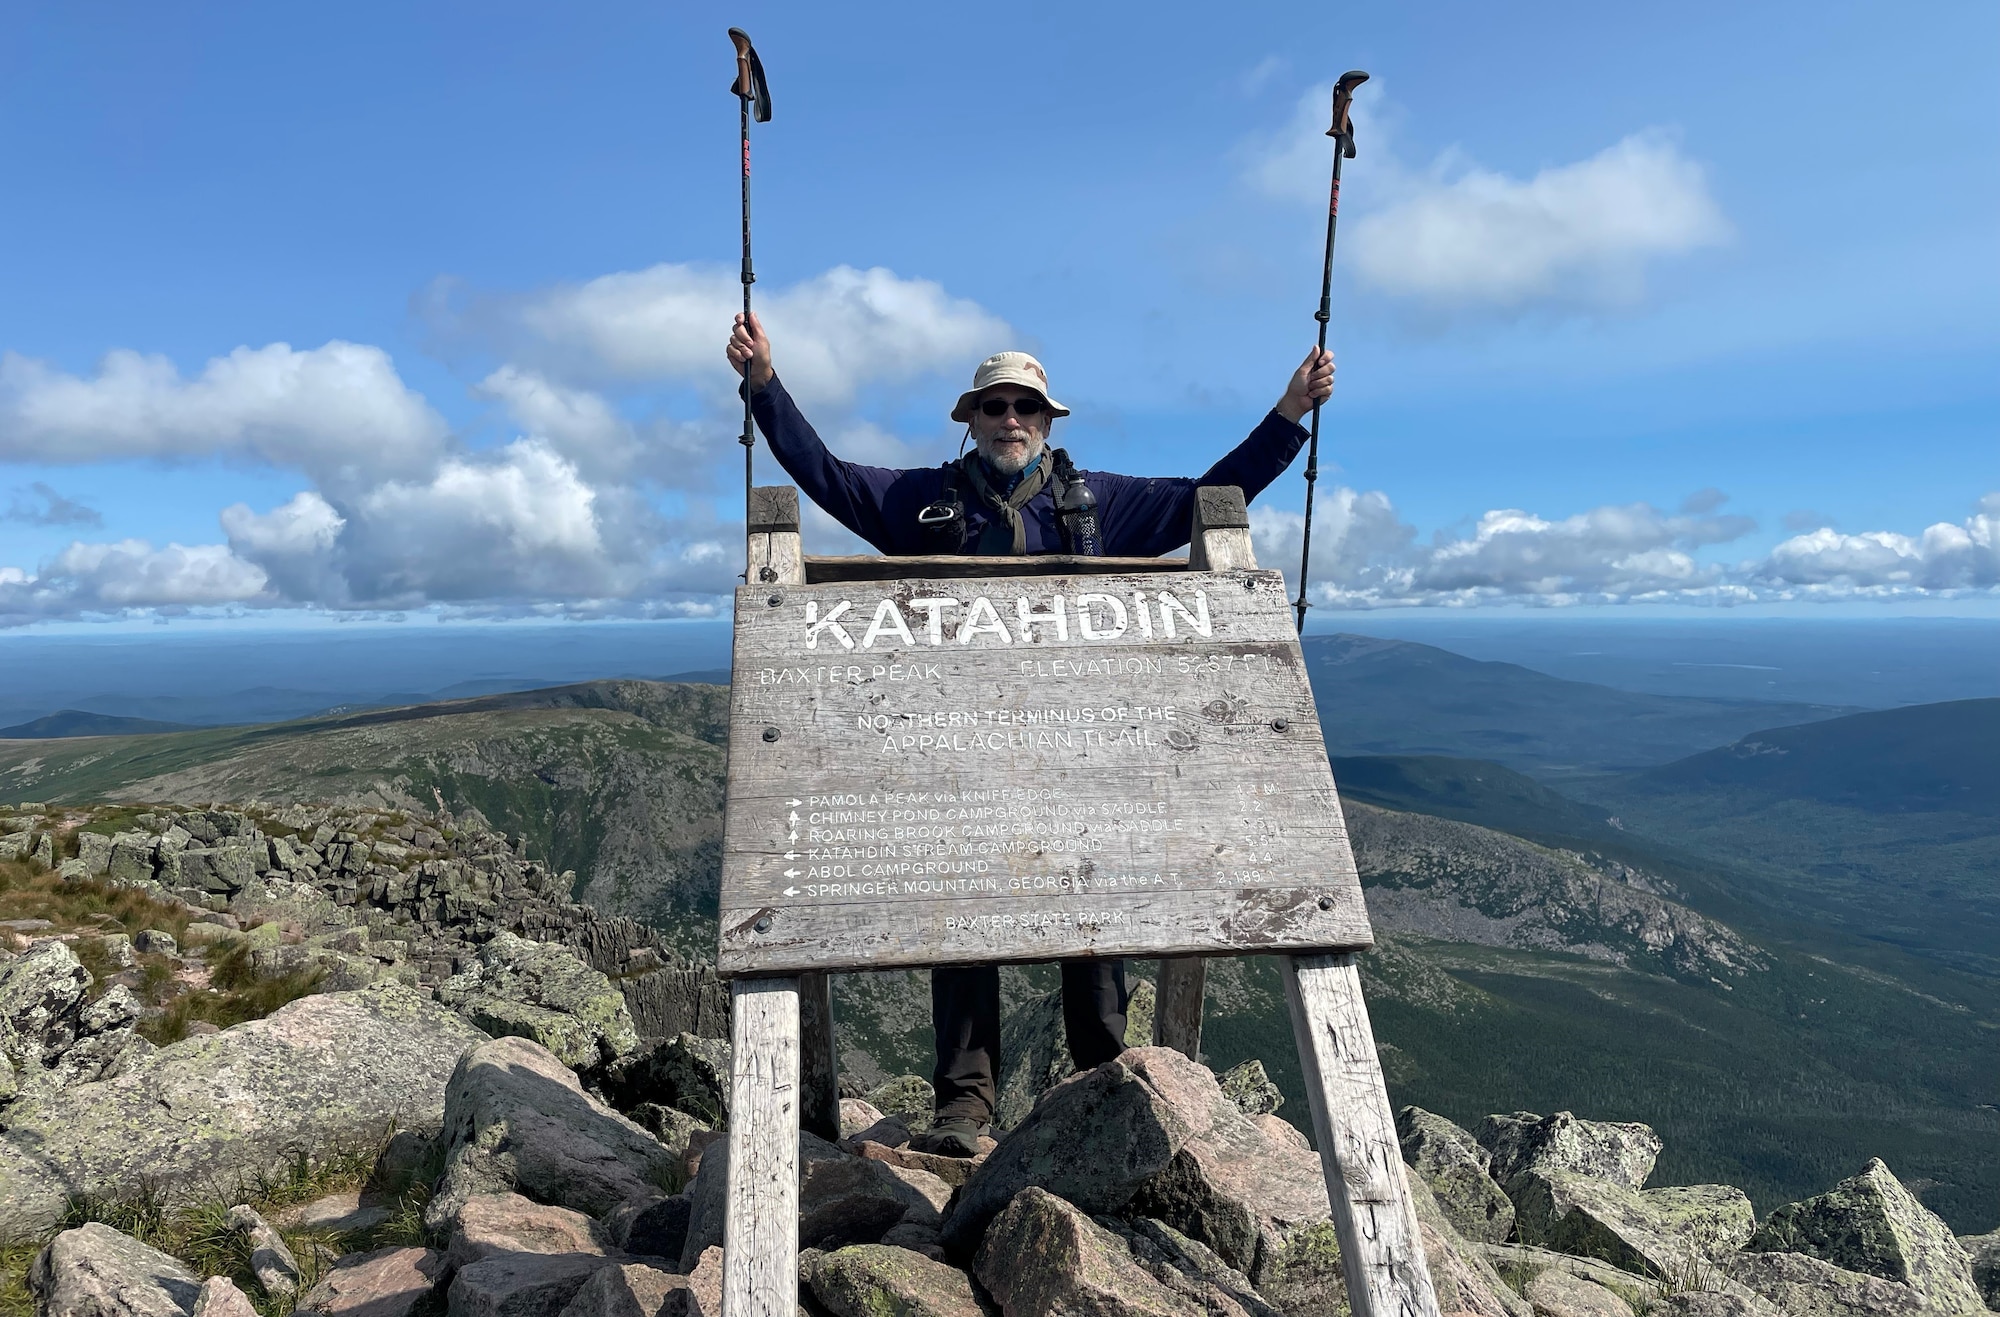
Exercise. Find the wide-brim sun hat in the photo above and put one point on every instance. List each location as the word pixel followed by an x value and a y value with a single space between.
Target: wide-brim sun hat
pixel 1006 368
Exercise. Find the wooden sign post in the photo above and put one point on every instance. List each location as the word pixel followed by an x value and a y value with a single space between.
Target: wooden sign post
pixel 938 761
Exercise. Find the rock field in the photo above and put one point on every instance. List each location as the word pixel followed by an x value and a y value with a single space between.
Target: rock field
pixel 545 1096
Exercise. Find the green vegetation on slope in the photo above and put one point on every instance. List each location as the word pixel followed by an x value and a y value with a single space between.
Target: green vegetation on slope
pixel 619 780
pixel 1783 1084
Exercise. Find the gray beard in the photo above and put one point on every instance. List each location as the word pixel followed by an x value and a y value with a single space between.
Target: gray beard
pixel 1007 464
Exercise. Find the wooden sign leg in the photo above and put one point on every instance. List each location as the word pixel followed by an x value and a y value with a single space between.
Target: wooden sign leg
pixel 819 1066
pixel 761 1227
pixel 1177 1005
pixel 1380 1249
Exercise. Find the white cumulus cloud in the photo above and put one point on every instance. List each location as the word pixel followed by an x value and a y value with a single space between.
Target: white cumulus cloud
pixel 1455 237
pixel 1946 557
pixel 831 335
pixel 339 413
pixel 1581 234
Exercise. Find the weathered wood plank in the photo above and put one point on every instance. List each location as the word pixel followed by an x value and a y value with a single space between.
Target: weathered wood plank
pixel 819 1062
pixel 1381 1250
pixel 1220 538
pixel 761 1221
pixel 824 570
pixel 1177 1008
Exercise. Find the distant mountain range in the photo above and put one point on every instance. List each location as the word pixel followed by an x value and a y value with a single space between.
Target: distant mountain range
pixel 75 722
pixel 1398 697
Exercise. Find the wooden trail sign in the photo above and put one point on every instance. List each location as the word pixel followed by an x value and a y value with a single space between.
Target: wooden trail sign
pixel 943 761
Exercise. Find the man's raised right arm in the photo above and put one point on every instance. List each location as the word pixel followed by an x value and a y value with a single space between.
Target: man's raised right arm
pixel 849 491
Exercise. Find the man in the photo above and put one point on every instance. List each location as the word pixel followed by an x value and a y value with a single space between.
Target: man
pixel 1013 495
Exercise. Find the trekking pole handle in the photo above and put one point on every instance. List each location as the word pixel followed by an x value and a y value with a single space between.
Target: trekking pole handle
pixel 1343 105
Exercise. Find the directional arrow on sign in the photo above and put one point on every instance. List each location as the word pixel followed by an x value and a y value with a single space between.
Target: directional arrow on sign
pixel 791 855
pixel 791 873
pixel 791 891
pixel 793 817
pixel 795 803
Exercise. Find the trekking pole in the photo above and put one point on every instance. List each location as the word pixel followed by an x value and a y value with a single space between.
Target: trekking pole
pixel 753 96
pixel 1342 134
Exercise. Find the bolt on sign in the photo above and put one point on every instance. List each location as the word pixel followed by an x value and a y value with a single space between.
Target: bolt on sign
pixel 969 770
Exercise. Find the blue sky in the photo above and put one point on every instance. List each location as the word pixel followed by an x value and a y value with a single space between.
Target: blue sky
pixel 394 309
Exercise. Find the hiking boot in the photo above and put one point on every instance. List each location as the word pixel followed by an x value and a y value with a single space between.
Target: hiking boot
pixel 953 1136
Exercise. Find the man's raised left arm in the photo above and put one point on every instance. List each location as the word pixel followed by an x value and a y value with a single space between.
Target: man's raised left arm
pixel 1146 518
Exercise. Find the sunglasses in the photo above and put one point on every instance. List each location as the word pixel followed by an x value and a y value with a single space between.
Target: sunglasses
pixel 1021 406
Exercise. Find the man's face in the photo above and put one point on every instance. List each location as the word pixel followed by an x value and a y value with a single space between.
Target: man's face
pixel 1010 441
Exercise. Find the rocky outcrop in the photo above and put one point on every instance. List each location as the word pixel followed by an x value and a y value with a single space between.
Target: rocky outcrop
pixel 686 1073
pixel 1251 1089
pixel 388 1282
pixel 635 1289
pixel 1871 1224
pixel 534 990
pixel 1803 1286
pixel 874 1280
pixel 1465 883
pixel 1984 1250
pixel 94 1271
pixel 1653 1232
pixel 1153 1133
pixel 1454 1166
pixel 1603 1150
pixel 368 894
pixel 516 1120
pixel 1558 1293
pixel 1044 1255
pixel 843 1199
pixel 271 1259
pixel 239 1104
pixel 52 1035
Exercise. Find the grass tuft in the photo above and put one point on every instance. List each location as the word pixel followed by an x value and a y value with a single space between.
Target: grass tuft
pixel 198 1233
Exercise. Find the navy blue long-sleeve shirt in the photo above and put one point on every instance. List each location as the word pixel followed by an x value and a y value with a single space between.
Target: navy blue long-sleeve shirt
pixel 1137 516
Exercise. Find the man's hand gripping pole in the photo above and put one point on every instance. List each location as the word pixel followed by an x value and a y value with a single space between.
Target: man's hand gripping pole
pixel 1342 134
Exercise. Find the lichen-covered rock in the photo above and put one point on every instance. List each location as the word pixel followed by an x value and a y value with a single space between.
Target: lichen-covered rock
pixel 41 1006
pixel 1803 1286
pixel 1557 1293
pixel 543 992
pixel 1652 1232
pixel 1871 1224
pixel 907 1096
pixel 388 1282
pixel 843 1199
pixel 1984 1250
pixel 326 1070
pixel 1190 1269
pixel 1711 1303
pixel 517 1120
pixel 1042 1255
pixel 491 1224
pixel 1461 1275
pixel 683 1073
pixel 271 1260
pixel 1251 1089
pixel 873 1280
pixel 95 1271
pixel 1621 1153
pixel 631 1289
pixel 1454 1165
